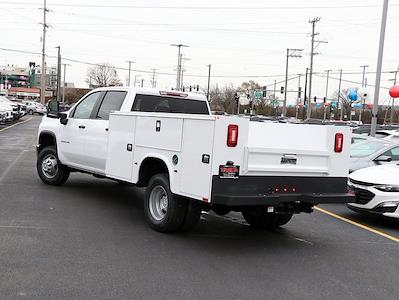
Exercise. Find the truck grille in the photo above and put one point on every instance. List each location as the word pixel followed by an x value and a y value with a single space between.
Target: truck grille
pixel 362 196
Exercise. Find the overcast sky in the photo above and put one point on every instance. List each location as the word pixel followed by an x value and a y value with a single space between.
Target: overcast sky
pixel 242 40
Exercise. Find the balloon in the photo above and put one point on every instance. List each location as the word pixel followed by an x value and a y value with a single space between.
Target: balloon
pixel 357 105
pixel 394 91
pixel 352 95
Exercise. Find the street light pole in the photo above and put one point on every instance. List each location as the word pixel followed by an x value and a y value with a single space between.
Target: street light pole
pixel 379 67
pixel 43 75
pixel 130 67
pixel 63 86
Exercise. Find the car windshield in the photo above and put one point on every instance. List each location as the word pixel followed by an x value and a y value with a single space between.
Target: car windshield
pixel 367 148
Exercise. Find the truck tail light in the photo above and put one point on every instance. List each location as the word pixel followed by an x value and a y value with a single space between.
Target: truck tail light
pixel 232 135
pixel 339 142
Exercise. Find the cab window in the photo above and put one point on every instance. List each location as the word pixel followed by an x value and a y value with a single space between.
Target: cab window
pixel 112 101
pixel 84 109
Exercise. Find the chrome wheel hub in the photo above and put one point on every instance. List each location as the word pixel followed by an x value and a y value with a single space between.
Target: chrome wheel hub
pixel 49 166
pixel 158 203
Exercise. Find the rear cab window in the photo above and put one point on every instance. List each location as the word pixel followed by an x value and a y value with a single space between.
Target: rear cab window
pixel 112 101
pixel 152 103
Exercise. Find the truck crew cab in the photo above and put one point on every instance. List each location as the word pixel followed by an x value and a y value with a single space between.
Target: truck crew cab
pixel 190 160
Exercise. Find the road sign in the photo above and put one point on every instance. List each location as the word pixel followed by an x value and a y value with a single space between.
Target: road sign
pixel 258 94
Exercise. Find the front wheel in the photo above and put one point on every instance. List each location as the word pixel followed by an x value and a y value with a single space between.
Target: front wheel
pixel 261 219
pixel 49 168
pixel 164 211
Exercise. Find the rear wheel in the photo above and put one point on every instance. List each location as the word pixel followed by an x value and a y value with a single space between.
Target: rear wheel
pixel 260 218
pixel 164 211
pixel 49 168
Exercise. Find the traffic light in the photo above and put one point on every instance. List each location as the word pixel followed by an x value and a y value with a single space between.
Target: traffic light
pixel 324 100
pixel 314 99
pixel 190 88
pixel 264 92
pixel 236 97
pixel 183 89
pixel 197 88
pixel 282 90
pixel 250 103
pixel 299 92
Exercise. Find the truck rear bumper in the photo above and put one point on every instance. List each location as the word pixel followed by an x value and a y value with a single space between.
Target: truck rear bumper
pixel 265 190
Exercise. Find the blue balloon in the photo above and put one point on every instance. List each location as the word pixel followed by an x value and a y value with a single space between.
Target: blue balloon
pixel 318 105
pixel 352 95
pixel 357 105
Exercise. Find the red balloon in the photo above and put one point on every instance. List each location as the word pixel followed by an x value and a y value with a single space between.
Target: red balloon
pixel 394 91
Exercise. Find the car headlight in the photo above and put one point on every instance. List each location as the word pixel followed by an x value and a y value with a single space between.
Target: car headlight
pixel 387 188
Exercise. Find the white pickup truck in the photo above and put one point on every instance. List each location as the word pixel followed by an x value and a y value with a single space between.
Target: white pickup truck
pixel 191 161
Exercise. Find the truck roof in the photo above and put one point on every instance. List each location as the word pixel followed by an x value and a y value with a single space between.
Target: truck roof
pixel 155 92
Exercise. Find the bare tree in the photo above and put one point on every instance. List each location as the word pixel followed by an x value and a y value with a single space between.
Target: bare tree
pixel 344 100
pixel 102 75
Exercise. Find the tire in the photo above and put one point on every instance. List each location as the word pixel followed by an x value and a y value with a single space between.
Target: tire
pixel 164 211
pixel 283 219
pixel 193 214
pixel 261 219
pixel 49 168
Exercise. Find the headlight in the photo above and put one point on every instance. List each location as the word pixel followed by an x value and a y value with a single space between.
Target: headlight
pixel 388 188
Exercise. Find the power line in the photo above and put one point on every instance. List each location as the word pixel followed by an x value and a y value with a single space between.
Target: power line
pixel 201 7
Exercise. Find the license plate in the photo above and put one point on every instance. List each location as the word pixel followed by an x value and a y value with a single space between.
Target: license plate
pixel 226 171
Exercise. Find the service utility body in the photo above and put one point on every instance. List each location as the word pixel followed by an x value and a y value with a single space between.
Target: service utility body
pixel 192 161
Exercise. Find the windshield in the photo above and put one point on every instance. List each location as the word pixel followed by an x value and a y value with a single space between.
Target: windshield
pixel 366 148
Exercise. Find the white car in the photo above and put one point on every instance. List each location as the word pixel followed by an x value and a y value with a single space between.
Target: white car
pixel 376 189
pixel 7 110
pixel 33 107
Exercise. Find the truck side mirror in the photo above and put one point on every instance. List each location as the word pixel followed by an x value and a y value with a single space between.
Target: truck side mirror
pixel 53 109
pixel 383 158
pixel 63 118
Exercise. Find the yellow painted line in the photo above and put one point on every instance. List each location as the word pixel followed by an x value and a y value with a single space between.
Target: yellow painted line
pixel 16 124
pixel 381 233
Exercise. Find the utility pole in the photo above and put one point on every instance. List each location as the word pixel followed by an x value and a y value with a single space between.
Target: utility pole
pixel 130 68
pixel 312 54
pixel 339 96
pixel 178 64
pixel 379 67
pixel 63 86
pixel 59 74
pixel 364 83
pixel 290 53
pixel 153 82
pixel 304 99
pixel 328 75
pixel 43 75
pixel 209 81
pixel 142 82
pixel 182 60
pixel 393 99
pixel 274 97
pixel 298 100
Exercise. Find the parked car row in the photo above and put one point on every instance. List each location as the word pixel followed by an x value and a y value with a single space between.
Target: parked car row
pixel 33 107
pixel 11 110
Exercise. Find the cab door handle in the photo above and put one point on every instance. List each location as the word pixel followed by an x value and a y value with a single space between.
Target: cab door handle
pixel 82 126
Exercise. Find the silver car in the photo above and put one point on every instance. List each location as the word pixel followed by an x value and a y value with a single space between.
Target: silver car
pixel 373 152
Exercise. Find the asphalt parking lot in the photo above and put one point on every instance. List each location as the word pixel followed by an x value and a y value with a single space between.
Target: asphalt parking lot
pixel 88 240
